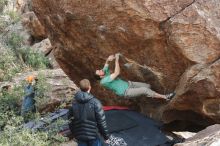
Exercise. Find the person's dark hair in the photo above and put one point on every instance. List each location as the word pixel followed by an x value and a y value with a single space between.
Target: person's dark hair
pixel 84 85
pixel 97 77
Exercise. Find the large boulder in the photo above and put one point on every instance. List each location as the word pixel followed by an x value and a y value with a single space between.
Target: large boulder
pixel 23 6
pixel 198 91
pixel 52 60
pixel 196 34
pixel 178 40
pixel 46 48
pixel 33 26
pixel 207 137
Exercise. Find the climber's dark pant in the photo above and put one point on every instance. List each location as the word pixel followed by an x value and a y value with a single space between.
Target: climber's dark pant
pixel 96 142
pixel 138 89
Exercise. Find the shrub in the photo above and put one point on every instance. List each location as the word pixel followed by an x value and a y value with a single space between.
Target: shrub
pixel 42 88
pixel 13 137
pixel 2 4
pixel 3 25
pixel 14 41
pixel 16 135
pixel 35 59
pixel 9 65
pixel 15 17
pixel 10 100
pixel 12 133
pixel 17 59
pixel 29 57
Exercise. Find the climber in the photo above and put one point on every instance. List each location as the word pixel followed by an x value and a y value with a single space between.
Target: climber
pixel 28 104
pixel 128 89
pixel 87 118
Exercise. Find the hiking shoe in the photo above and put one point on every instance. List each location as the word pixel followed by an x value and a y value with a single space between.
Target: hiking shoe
pixel 170 95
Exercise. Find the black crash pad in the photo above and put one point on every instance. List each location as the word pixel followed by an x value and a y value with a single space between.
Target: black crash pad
pixel 136 129
pixel 118 121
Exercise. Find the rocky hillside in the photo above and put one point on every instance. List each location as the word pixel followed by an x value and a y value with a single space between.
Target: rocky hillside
pixel 178 40
pixel 25 50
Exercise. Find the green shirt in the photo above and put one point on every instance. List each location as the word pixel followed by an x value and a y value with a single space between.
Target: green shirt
pixel 117 85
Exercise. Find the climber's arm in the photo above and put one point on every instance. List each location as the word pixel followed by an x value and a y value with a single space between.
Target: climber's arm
pixel 117 68
pixel 110 58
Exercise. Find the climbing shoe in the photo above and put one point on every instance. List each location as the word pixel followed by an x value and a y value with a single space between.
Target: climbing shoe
pixel 170 95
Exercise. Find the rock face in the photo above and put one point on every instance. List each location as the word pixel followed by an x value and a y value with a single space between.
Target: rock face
pixel 179 40
pixel 52 60
pixel 207 137
pixel 33 25
pixel 44 46
pixel 60 87
pixel 23 6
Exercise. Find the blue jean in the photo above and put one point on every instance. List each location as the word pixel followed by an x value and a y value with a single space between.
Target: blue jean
pixel 96 142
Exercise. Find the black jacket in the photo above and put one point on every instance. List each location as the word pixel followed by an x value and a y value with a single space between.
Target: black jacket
pixel 87 117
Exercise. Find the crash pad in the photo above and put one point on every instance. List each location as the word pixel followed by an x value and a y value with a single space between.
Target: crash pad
pixel 143 131
pixel 131 127
pixel 113 119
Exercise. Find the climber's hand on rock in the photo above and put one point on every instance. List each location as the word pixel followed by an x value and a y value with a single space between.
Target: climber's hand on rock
pixel 111 57
pixel 117 55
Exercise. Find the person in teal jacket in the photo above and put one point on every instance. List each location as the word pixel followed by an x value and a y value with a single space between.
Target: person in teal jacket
pixel 28 104
pixel 124 88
